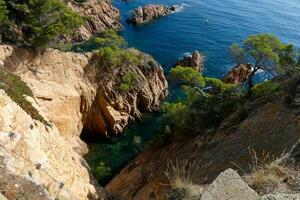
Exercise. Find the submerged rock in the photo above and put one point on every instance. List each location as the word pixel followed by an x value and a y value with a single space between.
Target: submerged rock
pixel 238 74
pixel 194 61
pixel 150 12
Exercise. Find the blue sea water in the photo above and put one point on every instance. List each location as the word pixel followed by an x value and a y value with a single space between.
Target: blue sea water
pixel 229 21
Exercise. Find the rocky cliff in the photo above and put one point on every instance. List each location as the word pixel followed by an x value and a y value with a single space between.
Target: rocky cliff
pixel 263 125
pixel 100 15
pixel 194 61
pixel 70 91
pixel 150 12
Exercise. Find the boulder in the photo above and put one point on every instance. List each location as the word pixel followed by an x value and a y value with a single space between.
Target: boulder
pixel 229 185
pixel 101 15
pixel 194 61
pixel 238 74
pixel 150 12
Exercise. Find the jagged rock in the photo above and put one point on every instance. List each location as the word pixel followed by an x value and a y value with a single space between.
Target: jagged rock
pixel 101 15
pixel 229 185
pixel 268 126
pixel 238 74
pixel 194 61
pixel 67 88
pixel 150 12
pixel 281 197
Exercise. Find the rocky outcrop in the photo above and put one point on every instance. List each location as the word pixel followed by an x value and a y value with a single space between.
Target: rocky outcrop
pixel 100 15
pixel 229 185
pixel 68 89
pixel 194 61
pixel 150 12
pixel 261 125
pixel 238 74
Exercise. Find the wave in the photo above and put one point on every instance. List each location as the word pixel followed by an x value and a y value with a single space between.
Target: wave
pixel 180 7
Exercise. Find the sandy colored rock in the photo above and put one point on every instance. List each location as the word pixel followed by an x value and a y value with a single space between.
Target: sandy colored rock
pixel 281 197
pixel 101 15
pixel 194 61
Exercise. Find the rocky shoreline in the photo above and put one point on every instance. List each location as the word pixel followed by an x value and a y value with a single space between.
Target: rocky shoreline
pixel 147 13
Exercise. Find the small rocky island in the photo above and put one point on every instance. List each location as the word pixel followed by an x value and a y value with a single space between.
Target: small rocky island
pixel 142 15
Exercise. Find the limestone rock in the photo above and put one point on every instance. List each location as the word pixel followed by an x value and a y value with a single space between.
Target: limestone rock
pixel 194 61
pixel 41 154
pixel 101 15
pixel 150 12
pixel 229 185
pixel 238 74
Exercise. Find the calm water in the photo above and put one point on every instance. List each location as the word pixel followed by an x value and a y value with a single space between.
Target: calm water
pixel 228 21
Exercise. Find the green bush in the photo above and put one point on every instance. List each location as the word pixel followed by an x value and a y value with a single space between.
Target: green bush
pixel 101 171
pixel 186 76
pixel 17 90
pixel 128 81
pixel 265 88
pixel 219 85
pixel 173 111
pixel 109 38
pixel 42 21
pixel 3 11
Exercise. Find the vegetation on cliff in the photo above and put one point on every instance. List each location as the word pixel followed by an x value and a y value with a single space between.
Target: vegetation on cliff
pixel 38 22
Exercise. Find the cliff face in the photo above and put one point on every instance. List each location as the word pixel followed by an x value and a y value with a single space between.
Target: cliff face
pixel 101 15
pixel 262 125
pixel 70 91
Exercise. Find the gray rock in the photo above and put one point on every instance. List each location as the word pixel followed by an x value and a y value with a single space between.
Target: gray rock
pixel 229 185
pixel 281 197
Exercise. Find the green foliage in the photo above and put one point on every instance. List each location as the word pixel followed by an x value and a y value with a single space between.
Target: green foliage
pixel 113 56
pixel 265 88
pixel 186 75
pixel 289 60
pixel 3 12
pixel 42 21
pixel 173 111
pixel 110 56
pixel 17 90
pixel 262 51
pixel 101 171
pixel 128 81
pixel 110 38
pixel 219 85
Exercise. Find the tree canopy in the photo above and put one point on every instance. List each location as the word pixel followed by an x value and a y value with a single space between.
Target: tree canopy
pixel 262 51
pixel 41 21
pixel 3 11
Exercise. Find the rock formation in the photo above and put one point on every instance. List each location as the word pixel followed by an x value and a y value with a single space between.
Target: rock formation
pixel 70 90
pixel 150 12
pixel 238 74
pixel 268 126
pixel 194 61
pixel 101 15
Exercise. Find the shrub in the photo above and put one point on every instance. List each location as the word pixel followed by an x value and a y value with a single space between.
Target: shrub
pixel 109 38
pixel 187 76
pixel 128 81
pixel 110 56
pixel 3 11
pixel 265 88
pixel 181 176
pixel 17 90
pixel 219 85
pixel 101 171
pixel 43 21
pixel 173 111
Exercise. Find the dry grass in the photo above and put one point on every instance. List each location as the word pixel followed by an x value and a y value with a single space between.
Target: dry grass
pixel 181 176
pixel 270 174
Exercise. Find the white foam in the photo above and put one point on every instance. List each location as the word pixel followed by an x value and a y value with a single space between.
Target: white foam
pixel 180 7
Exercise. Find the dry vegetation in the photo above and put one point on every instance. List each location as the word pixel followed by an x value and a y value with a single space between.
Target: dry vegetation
pixel 273 174
pixel 181 176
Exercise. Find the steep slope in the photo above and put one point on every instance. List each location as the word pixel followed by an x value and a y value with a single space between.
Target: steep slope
pixel 262 125
pixel 70 91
